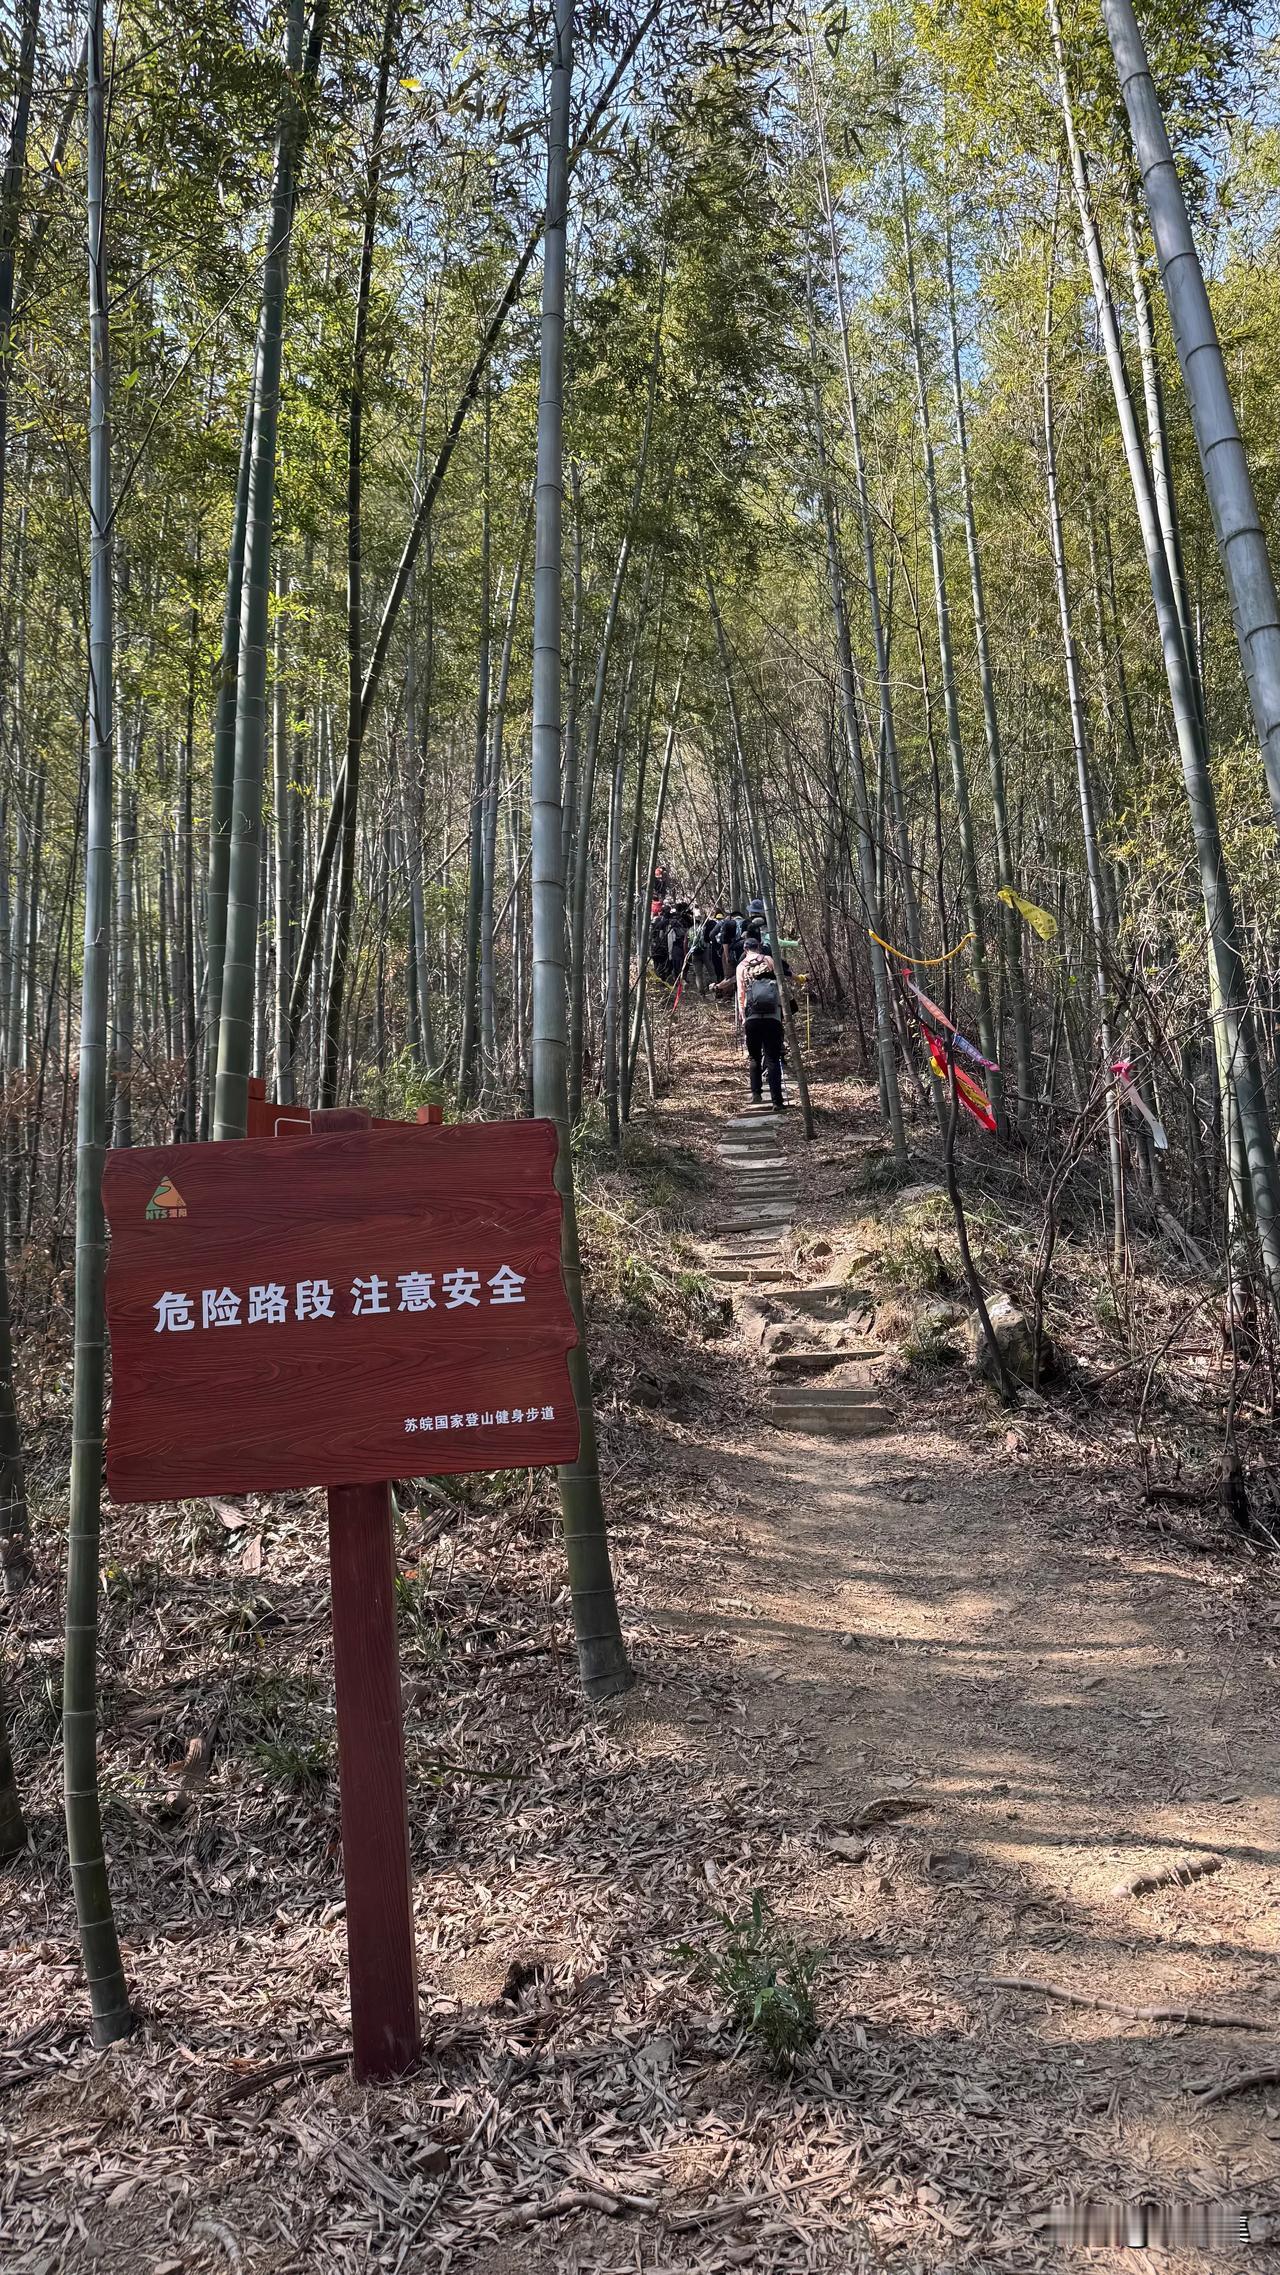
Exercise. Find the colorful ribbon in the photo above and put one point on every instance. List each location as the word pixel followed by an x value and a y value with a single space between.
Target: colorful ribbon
pixel 974 1100
pixel 919 962
pixel 1159 1137
pixel 960 1042
pixel 1038 918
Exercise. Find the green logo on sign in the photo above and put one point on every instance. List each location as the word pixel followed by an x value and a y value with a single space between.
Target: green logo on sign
pixel 165 1204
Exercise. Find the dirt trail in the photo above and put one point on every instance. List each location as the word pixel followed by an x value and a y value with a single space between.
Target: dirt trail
pixel 946 1616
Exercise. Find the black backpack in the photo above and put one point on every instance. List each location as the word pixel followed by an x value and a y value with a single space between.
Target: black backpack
pixel 763 1000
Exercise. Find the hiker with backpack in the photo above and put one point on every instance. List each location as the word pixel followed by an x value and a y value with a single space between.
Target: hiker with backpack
pixel 729 942
pixel 759 1004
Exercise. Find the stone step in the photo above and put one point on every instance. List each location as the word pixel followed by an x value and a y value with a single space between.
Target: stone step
pixel 824 1302
pixel 748 1275
pixel 727 1231
pixel 776 1224
pixel 823 1362
pixel 841 1419
pixel 732 1251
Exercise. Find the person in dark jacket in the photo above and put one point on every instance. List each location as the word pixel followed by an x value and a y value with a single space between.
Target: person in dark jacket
pixel 759 1001
pixel 729 940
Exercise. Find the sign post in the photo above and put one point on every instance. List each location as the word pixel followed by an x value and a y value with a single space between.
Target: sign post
pixel 381 1956
pixel 367 1302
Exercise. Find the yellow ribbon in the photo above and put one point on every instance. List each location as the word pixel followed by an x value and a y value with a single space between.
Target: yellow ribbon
pixel 920 961
pixel 1038 918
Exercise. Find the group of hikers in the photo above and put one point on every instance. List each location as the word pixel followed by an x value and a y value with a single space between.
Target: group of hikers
pixel 726 953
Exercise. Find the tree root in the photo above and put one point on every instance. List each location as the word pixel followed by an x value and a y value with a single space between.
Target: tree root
pixel 1244 2081
pixel 1191 2016
pixel 1180 1874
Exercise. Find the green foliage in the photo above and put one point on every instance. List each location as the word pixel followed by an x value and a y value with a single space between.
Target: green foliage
pixel 911 1258
pixel 767 1980
pixel 421 1634
pixel 297 1766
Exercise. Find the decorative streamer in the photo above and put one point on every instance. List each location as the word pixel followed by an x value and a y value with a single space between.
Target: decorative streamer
pixel 1122 1068
pixel 960 1042
pixel 919 963
pixel 1038 918
pixel 974 1100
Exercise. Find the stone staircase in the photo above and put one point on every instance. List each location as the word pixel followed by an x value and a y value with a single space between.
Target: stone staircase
pixel 814 1341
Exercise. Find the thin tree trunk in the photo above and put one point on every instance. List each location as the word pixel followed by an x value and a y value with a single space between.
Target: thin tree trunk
pixel 655 841
pixel 282 801
pixel 240 962
pixel 1162 464
pixel 125 941
pixel 1010 925
pixel 492 796
pixel 426 505
pixel 872 918
pixel 582 845
pixel 356 719
pixel 602 1658
pixel 1080 744
pixel 1238 1054
pixel 186 895
pixel 109 1998
pixel 888 728
pixel 574 677
pixel 951 705
pixel 476 810
pixel 223 770
pixel 1236 522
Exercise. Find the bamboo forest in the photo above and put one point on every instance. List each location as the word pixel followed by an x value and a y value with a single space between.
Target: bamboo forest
pixel 639 938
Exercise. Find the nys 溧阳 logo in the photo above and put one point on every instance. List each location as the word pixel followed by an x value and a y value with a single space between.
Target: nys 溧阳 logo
pixel 166 1204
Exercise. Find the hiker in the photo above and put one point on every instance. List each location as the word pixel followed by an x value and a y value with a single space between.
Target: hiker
pixel 659 936
pixel 759 1001
pixel 730 942
pixel 679 926
pixel 703 963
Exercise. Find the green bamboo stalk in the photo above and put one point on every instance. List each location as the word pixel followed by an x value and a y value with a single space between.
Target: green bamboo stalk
pixel 479 788
pixel 240 963
pixel 421 523
pixel 344 908
pixel 100 1949
pixel 602 1658
pixel 223 770
pixel 1229 993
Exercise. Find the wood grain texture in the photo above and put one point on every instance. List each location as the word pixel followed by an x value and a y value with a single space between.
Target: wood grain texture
pixel 385 2030
pixel 325 1401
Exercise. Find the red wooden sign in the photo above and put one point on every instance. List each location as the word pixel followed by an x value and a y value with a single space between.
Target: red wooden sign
pixel 375 1303
pixel 267 1118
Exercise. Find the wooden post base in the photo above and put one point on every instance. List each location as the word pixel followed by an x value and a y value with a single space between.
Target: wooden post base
pixel 385 2029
